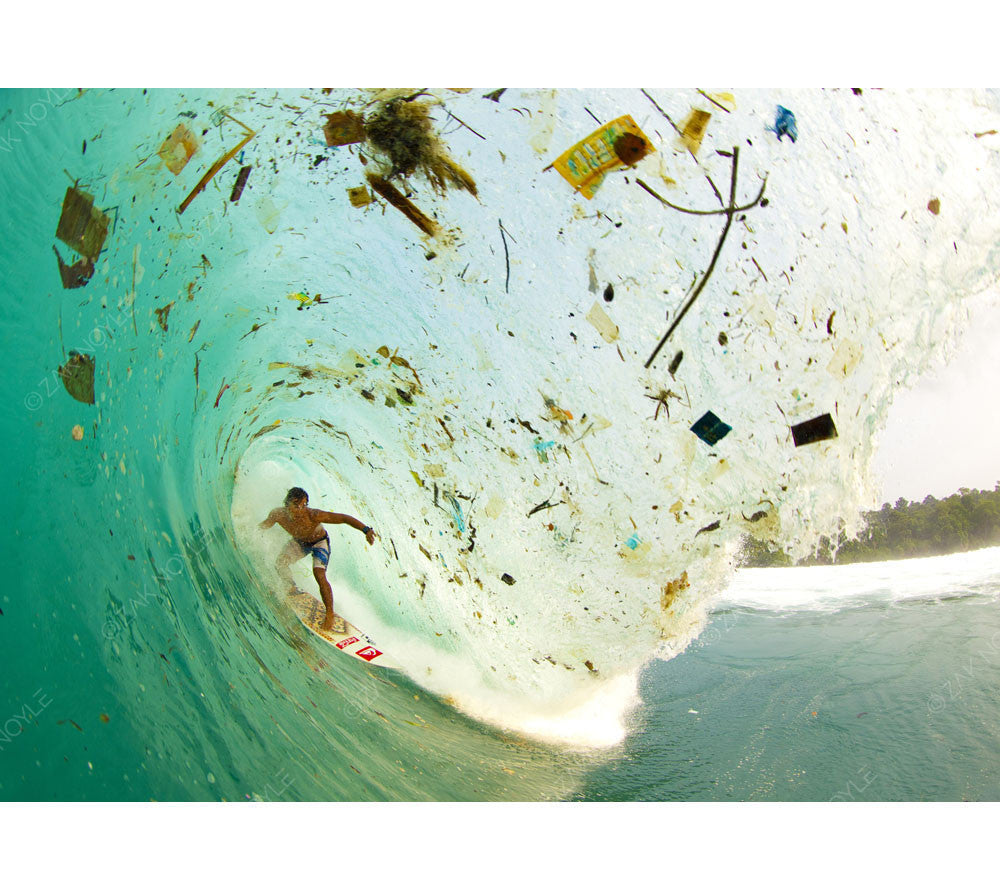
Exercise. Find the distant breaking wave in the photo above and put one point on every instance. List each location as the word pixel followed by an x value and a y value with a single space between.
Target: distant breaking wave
pixel 832 588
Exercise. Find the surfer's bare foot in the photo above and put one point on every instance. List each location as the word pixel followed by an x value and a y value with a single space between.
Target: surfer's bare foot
pixel 333 622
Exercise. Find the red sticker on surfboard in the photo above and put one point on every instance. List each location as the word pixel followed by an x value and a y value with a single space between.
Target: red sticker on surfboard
pixel 343 644
pixel 369 653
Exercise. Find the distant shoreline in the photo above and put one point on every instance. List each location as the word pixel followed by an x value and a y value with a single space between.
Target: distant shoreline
pixel 967 520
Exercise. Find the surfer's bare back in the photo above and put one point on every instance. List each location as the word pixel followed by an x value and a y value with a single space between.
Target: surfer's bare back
pixel 305 525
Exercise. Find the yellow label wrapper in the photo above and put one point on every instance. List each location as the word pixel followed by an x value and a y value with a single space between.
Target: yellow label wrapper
pixel 585 165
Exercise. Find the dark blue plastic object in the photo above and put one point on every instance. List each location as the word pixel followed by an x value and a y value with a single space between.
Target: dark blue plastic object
pixel 784 123
pixel 710 429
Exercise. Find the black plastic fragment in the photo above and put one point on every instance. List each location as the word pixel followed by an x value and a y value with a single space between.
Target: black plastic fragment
pixel 815 430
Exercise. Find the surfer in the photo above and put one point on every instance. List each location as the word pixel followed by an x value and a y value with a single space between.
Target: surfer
pixel 305 525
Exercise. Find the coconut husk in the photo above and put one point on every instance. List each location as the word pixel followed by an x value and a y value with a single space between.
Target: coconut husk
pixel 401 132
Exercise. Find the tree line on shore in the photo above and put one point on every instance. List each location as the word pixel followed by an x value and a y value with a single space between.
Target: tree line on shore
pixel 966 520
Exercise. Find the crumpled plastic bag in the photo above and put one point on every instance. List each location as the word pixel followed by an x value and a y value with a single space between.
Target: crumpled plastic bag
pixel 784 123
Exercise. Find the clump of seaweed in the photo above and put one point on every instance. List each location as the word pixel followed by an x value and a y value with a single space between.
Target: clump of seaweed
pixel 401 131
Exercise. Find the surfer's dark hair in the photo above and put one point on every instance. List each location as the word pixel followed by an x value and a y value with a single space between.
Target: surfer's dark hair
pixel 296 494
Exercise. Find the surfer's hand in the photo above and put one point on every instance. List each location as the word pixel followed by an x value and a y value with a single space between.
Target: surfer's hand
pixel 370 536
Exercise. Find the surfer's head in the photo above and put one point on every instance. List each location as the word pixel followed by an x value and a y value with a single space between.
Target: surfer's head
pixel 296 498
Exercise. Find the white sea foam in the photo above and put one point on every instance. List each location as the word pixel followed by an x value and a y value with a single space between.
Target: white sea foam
pixel 829 588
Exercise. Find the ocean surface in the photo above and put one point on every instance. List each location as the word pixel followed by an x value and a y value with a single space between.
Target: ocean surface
pixel 867 682
pixel 553 537
pixel 872 682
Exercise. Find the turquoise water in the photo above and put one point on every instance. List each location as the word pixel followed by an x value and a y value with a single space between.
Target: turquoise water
pixel 874 699
pixel 145 653
pixel 875 702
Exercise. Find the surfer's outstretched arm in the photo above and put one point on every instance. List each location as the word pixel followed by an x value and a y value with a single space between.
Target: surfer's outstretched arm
pixel 267 523
pixel 344 519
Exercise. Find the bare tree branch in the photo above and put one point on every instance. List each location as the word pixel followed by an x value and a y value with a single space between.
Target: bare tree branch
pixel 724 210
pixel 730 212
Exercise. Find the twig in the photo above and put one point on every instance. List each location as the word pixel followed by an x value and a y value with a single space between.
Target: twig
pixel 450 436
pixel 197 362
pixel 508 234
pixel 134 328
pixel 545 505
pixel 222 389
pixel 714 189
pixel 759 269
pixel 724 210
pixel 730 212
pixel 506 256
pixel 464 124
pixel 594 116
pixel 657 107
pixel 710 99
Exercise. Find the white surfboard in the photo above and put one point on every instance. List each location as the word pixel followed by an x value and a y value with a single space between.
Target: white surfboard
pixel 353 642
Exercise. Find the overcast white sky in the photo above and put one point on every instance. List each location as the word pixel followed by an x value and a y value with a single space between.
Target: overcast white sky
pixel 945 432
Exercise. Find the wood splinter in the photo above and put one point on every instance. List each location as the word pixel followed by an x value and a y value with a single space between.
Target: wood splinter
pixel 403 204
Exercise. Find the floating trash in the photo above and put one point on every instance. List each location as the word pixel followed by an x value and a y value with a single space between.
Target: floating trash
pixel 784 124
pixel 81 225
pixel 815 430
pixel 618 143
pixel 76 275
pixel 602 321
pixel 710 429
pixel 403 204
pixel 359 197
pixel 541 447
pixel 178 148
pixel 694 129
pixel 78 376
pixel 401 132
pixel 218 165
pixel 240 184
pixel 344 128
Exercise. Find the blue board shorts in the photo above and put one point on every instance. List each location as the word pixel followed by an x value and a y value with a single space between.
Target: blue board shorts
pixel 320 550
